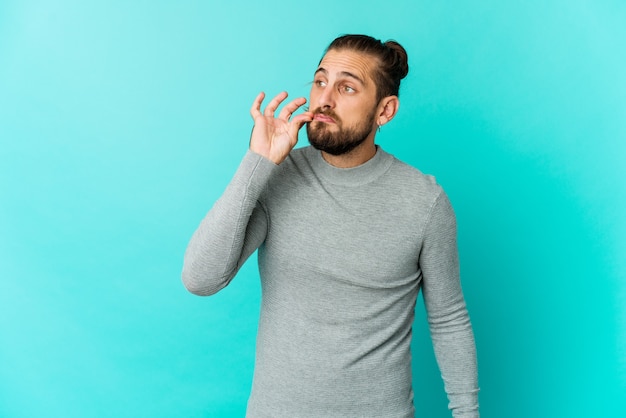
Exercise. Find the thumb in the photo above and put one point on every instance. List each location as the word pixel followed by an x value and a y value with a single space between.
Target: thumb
pixel 297 122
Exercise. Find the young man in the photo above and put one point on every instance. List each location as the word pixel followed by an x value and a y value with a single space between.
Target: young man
pixel 347 235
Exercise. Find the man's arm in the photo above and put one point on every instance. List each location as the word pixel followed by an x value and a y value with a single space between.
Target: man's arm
pixel 230 232
pixel 450 327
pixel 237 224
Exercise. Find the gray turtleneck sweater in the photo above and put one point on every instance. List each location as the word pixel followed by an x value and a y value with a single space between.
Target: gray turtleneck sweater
pixel 342 256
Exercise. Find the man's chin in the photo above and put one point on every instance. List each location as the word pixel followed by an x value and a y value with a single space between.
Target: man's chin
pixel 317 143
pixel 318 125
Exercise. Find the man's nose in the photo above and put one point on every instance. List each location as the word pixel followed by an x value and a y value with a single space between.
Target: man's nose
pixel 327 98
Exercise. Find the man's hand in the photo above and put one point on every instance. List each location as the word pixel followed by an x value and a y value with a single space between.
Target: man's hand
pixel 272 137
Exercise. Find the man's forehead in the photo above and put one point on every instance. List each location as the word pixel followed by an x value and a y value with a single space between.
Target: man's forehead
pixel 348 62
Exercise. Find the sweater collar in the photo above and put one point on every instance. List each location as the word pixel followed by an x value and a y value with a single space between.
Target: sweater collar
pixel 354 176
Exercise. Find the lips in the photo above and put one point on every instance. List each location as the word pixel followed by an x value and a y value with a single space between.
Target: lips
pixel 320 117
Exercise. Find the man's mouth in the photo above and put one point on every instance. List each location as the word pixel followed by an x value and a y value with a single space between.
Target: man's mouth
pixel 320 117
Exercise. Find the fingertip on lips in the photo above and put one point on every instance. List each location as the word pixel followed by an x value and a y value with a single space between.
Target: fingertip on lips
pixel 323 118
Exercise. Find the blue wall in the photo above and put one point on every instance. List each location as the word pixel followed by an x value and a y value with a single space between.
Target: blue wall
pixel 121 122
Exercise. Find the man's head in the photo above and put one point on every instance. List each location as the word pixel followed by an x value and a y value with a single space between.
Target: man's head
pixel 391 61
pixel 355 90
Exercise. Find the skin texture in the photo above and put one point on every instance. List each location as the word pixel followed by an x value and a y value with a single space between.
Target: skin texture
pixel 342 84
pixel 344 108
pixel 273 137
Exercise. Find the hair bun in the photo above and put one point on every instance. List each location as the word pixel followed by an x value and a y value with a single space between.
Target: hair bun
pixel 392 63
pixel 400 58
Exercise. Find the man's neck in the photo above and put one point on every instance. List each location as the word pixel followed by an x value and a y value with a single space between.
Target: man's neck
pixel 360 155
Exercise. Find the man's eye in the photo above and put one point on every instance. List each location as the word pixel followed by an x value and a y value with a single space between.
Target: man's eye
pixel 320 83
pixel 348 89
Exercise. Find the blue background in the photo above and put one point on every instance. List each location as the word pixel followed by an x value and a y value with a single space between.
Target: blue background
pixel 121 122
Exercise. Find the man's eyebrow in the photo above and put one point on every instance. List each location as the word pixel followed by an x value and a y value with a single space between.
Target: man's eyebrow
pixel 321 70
pixel 342 73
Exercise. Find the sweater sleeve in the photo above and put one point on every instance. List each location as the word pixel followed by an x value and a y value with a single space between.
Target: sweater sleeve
pixel 448 319
pixel 231 231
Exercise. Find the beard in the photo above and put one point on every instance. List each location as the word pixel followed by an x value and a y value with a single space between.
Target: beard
pixel 338 142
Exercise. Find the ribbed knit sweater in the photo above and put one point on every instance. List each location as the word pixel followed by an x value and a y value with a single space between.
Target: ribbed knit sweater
pixel 342 256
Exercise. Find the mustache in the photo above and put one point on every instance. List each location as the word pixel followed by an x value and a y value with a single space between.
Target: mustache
pixel 326 112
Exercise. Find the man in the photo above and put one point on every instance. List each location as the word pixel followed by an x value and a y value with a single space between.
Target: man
pixel 347 235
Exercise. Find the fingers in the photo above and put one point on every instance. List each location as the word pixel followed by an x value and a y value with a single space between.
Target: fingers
pixel 274 103
pixel 298 121
pixel 286 112
pixel 255 110
pixel 301 119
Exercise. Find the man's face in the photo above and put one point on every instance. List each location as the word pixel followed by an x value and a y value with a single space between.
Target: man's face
pixel 343 100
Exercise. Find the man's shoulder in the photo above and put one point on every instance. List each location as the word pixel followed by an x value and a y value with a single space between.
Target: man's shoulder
pixel 394 173
pixel 411 191
pixel 410 176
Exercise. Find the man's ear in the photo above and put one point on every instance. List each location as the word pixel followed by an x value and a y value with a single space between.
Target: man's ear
pixel 387 109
